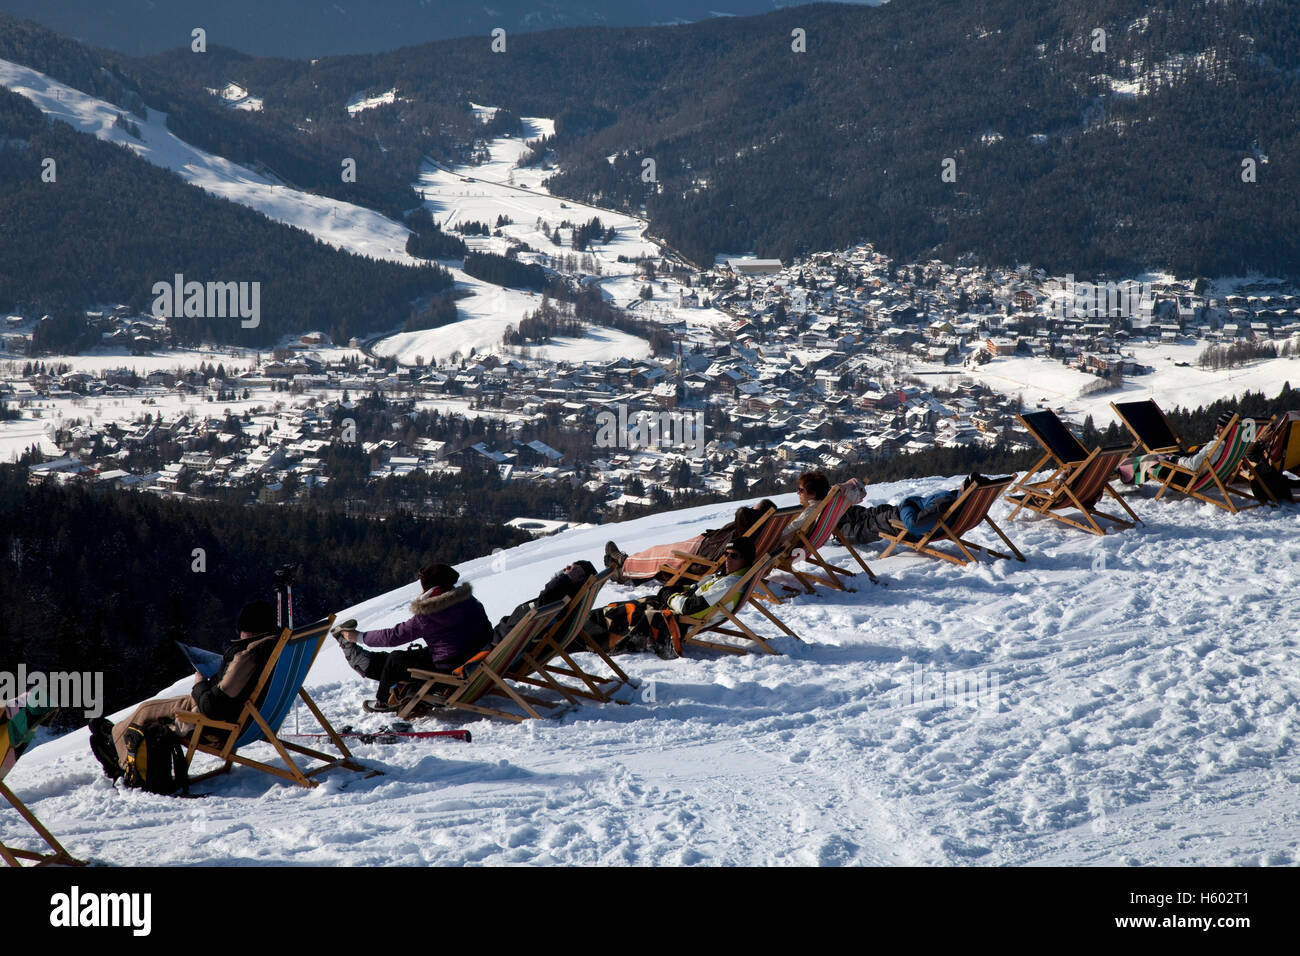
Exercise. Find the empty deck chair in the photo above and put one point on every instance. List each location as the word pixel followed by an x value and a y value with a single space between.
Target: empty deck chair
pixel 19 719
pixel 277 687
pixel 549 657
pixel 1220 472
pixel 970 508
pixel 484 674
pixel 1078 480
pixel 722 618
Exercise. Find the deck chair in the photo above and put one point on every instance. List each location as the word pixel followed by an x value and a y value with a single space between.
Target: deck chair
pixel 277 687
pixel 1220 472
pixel 1151 430
pixel 805 545
pixel 19 719
pixel 765 532
pixel 970 508
pixel 721 618
pixel 1277 445
pixel 1078 480
pixel 484 674
pixel 549 657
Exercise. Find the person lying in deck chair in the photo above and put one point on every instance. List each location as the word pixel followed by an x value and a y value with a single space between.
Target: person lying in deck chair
pixel 1143 467
pixel 649 623
pixel 648 565
pixel 447 617
pixel 918 513
pixel 220 696
pixel 562 586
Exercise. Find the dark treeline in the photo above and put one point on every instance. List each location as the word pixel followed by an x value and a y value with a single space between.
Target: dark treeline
pixel 105 580
pixel 117 225
pixel 502 270
pixel 427 241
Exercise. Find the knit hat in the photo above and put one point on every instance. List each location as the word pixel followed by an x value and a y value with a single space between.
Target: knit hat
pixel 743 547
pixel 438 576
pixel 256 617
pixel 1222 420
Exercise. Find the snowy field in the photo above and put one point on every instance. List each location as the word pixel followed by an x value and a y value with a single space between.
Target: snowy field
pixel 1121 701
pixel 1056 386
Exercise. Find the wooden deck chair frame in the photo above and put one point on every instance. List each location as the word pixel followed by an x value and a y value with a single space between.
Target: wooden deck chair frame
pixel 968 511
pixel 1075 483
pixel 806 543
pixel 485 674
pixel 1152 433
pixel 14 856
pixel 722 619
pixel 538 667
pixel 252 726
pixel 1221 468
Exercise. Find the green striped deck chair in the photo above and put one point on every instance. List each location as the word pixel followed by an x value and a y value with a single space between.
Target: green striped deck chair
pixel 19 719
pixel 1077 482
pixel 970 509
pixel 550 657
pixel 484 674
pixel 1219 471
pixel 721 618
pixel 277 688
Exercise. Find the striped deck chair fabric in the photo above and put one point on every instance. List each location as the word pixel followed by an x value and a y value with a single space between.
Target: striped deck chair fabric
pixel 484 674
pixel 19 719
pixel 806 544
pixel 970 509
pixel 722 617
pixel 1217 473
pixel 280 684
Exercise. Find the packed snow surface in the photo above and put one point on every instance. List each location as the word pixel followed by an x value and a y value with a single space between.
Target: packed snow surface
pixel 1120 700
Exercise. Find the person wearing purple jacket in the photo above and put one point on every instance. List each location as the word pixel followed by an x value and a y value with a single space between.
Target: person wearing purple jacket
pixel 446 617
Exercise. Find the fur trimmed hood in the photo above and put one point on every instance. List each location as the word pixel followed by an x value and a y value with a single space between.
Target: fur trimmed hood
pixel 433 603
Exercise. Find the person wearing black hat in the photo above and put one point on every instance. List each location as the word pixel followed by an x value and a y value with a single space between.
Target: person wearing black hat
pixel 649 623
pixel 562 586
pixel 220 696
pixel 446 617
pixel 1146 467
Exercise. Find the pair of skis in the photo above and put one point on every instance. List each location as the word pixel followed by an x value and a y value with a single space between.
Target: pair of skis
pixel 393 733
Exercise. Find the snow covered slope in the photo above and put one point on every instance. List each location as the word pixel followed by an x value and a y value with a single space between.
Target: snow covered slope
pixel 1127 700
pixel 487 310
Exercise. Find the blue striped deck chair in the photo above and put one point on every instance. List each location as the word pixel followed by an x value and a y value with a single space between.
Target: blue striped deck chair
pixel 19 719
pixel 278 686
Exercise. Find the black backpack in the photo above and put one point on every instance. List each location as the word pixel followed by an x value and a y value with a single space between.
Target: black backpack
pixel 155 759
